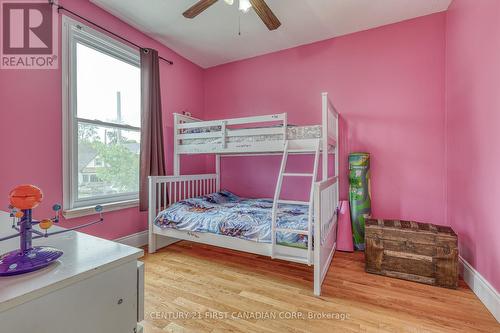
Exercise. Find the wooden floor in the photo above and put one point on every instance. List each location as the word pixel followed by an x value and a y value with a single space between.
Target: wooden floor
pixel 198 288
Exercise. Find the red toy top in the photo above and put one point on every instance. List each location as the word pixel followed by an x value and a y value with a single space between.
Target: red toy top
pixel 25 196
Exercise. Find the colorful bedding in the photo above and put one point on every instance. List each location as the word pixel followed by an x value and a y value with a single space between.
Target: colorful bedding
pixel 225 213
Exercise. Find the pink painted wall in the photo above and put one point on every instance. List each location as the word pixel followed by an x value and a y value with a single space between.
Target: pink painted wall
pixel 388 84
pixel 473 118
pixel 30 126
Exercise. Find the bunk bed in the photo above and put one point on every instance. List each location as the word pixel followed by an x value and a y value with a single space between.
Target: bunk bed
pixel 193 207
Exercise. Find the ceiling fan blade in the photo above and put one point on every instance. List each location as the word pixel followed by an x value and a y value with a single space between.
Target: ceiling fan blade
pixel 197 8
pixel 266 14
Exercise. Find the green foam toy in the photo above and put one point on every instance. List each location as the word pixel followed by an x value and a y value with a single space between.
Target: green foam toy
pixel 359 196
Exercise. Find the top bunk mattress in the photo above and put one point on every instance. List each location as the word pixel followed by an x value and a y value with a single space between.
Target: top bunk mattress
pixel 292 132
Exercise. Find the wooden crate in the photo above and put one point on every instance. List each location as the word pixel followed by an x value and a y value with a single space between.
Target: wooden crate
pixel 419 252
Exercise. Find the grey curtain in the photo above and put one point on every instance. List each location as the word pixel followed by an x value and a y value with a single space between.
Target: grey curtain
pixel 152 161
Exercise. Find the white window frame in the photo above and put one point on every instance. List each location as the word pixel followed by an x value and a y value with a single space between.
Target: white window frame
pixel 73 32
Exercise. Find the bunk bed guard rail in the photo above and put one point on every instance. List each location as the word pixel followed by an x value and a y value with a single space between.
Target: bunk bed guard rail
pixel 218 132
pixel 326 203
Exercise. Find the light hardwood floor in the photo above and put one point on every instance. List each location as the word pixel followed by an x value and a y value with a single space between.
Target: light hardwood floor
pixel 188 284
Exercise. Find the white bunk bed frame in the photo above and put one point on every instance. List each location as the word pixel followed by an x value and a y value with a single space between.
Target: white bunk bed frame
pixel 323 201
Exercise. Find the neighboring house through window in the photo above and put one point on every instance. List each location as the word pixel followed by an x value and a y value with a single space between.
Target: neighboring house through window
pixel 101 114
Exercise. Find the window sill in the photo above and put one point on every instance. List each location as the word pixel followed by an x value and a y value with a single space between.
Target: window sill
pixel 108 207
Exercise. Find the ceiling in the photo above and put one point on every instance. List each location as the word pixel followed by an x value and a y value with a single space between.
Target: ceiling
pixel 212 38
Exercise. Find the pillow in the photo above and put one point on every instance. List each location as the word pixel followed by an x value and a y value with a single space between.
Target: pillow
pixel 222 197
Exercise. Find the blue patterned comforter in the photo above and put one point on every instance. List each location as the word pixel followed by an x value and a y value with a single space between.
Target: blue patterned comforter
pixel 225 213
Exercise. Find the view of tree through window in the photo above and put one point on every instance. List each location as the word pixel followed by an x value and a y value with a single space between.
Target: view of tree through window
pixel 108 118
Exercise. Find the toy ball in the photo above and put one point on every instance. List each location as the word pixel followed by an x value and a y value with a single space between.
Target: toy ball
pixel 46 224
pixel 25 196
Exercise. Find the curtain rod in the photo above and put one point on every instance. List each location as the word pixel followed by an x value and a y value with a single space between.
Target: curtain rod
pixel 59 8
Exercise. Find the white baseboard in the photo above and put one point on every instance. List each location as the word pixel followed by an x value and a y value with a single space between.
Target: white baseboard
pixel 139 239
pixel 481 287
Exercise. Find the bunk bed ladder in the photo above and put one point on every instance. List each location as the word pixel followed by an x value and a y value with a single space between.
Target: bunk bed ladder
pixel 276 202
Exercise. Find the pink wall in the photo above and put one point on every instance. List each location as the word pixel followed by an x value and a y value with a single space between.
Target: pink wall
pixel 473 118
pixel 30 127
pixel 388 84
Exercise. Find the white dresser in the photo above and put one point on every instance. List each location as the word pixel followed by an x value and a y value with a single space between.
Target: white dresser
pixel 97 286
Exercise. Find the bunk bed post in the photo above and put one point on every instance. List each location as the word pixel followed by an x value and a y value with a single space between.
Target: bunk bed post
pixel 177 164
pixel 217 172
pixel 317 241
pixel 324 128
pixel 285 128
pixel 337 150
pixel 223 132
pixel 177 161
pixel 151 215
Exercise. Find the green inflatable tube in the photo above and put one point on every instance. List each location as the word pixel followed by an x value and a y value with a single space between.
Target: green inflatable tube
pixel 359 196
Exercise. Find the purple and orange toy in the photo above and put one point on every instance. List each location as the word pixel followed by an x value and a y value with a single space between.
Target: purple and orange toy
pixel 28 258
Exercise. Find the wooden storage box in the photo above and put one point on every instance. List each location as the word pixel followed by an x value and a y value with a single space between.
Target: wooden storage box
pixel 419 252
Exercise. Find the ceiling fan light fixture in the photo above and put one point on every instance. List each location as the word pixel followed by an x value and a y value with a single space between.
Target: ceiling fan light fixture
pixel 259 6
pixel 245 5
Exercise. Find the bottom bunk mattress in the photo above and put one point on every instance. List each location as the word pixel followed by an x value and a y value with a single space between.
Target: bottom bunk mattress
pixel 225 213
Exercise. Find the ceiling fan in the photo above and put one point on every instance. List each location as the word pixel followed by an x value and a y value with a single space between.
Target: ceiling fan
pixel 260 6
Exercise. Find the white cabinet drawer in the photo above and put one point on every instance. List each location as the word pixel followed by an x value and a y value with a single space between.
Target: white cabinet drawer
pixel 104 303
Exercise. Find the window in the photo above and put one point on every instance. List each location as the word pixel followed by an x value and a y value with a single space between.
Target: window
pixel 101 115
